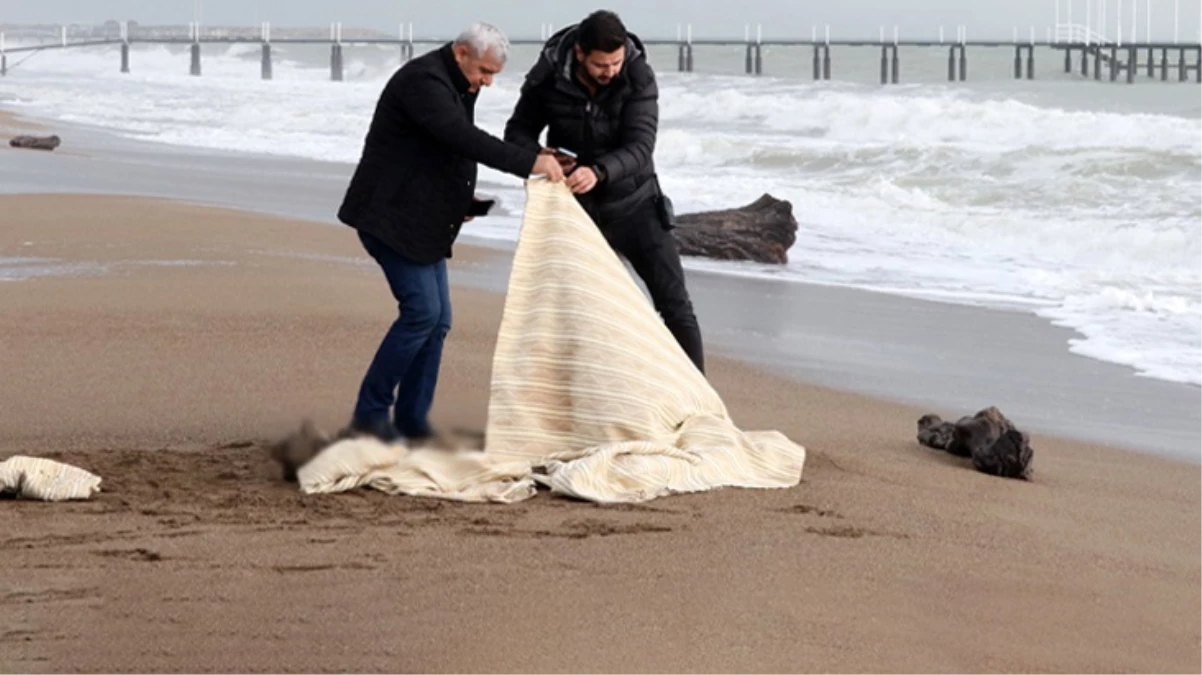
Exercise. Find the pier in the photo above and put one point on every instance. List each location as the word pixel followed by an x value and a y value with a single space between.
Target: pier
pixel 1084 51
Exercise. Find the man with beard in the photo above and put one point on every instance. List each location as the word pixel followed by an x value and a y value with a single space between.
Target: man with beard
pixel 594 92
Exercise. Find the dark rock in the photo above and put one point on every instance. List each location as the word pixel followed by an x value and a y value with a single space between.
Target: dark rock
pixel 1009 457
pixel 933 432
pixel 35 142
pixel 762 232
pixel 973 434
pixel 989 438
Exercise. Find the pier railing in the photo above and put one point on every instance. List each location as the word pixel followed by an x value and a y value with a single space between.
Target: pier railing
pixel 1066 36
pixel 1075 33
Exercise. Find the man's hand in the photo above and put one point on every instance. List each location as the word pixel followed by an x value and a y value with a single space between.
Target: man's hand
pixel 549 167
pixel 582 180
pixel 468 218
pixel 566 163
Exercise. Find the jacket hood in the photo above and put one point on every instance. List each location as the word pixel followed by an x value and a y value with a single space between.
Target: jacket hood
pixel 557 52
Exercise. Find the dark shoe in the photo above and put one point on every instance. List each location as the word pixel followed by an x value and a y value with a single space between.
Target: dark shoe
pixel 381 429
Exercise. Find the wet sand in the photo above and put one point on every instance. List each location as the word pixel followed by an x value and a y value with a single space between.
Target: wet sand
pixel 15 123
pixel 192 336
pixel 944 356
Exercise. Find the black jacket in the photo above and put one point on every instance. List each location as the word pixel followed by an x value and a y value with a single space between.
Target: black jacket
pixel 417 174
pixel 614 131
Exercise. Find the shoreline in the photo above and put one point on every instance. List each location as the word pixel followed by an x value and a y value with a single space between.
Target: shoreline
pixel 802 350
pixel 167 380
pixel 104 264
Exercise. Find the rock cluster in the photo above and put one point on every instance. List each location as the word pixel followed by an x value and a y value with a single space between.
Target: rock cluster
pixel 994 444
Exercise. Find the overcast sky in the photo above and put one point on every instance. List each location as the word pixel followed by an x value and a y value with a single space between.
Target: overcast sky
pixel 651 18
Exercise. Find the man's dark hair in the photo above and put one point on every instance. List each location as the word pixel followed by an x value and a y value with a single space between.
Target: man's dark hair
pixel 601 31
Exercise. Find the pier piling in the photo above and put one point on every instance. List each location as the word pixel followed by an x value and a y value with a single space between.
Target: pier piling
pixel 1132 64
pixel 407 44
pixel 684 58
pixel 336 62
pixel 822 59
pixel 895 65
pixel 1031 62
pixel 826 52
pixel 336 52
pixel 688 53
pixel 753 63
pixel 759 49
pixel 265 57
pixel 684 49
pixel 194 31
pixel 265 63
pixel 124 46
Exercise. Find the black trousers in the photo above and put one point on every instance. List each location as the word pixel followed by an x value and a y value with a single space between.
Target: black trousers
pixel 642 239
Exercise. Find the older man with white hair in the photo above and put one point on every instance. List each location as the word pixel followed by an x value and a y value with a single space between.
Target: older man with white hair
pixel 409 196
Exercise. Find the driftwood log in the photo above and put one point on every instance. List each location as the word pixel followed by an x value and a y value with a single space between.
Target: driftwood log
pixel 991 440
pixel 761 231
pixel 35 142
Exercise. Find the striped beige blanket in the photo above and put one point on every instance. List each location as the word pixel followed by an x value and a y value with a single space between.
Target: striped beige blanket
pixel 591 396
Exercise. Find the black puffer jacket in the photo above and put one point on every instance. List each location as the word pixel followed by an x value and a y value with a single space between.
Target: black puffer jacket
pixel 615 131
pixel 415 180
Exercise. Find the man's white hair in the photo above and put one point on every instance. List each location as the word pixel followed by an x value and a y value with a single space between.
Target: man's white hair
pixel 483 38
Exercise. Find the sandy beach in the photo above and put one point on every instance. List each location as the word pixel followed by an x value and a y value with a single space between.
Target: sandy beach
pixel 188 337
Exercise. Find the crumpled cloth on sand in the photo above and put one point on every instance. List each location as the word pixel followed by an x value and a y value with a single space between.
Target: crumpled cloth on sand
pixel 46 479
pixel 591 395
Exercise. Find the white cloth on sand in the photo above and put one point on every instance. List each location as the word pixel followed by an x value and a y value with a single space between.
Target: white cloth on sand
pixel 590 395
pixel 46 479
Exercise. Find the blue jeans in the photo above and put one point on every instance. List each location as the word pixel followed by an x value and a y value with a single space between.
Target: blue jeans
pixel 410 354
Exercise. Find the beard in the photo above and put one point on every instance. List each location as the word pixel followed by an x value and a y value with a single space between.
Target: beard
pixel 583 74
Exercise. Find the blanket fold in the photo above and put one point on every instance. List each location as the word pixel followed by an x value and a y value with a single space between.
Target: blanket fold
pixel 46 479
pixel 588 386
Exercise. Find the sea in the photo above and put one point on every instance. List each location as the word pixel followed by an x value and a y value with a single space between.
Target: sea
pixel 1076 200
